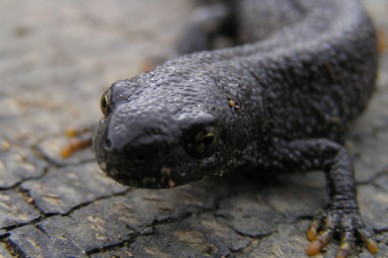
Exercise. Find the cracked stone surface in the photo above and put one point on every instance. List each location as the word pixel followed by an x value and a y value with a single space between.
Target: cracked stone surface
pixel 14 210
pixel 60 190
pixel 57 58
pixel 17 164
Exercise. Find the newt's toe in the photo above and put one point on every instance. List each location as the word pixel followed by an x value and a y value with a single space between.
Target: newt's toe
pixel 347 243
pixel 320 242
pixel 368 240
pixel 344 251
pixel 347 224
pixel 371 246
pixel 312 232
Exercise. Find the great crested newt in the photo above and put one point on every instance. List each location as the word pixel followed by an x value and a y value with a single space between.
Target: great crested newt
pixel 279 100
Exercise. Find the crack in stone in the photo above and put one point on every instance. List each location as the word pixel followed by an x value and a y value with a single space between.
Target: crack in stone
pixel 136 234
pixel 372 179
pixel 13 249
pixel 16 185
pixel 82 205
pixel 67 214
pixel 254 241
pixel 112 247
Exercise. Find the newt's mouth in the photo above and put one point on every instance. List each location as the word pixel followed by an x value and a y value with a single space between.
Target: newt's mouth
pixel 163 180
pixel 144 166
pixel 150 177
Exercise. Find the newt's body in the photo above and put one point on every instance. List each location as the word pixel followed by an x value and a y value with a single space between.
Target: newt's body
pixel 281 103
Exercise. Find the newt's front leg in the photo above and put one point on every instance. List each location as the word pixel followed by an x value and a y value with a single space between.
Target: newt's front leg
pixel 340 216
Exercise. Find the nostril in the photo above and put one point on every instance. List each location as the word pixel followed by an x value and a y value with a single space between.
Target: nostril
pixel 107 145
pixel 139 158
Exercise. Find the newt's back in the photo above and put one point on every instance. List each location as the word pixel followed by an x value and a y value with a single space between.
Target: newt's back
pixel 324 80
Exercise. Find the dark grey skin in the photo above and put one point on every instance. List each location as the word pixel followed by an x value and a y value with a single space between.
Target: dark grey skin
pixel 281 103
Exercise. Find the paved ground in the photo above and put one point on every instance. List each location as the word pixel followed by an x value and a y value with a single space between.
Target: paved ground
pixel 56 59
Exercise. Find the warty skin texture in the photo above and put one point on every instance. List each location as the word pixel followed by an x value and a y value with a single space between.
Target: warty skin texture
pixel 282 103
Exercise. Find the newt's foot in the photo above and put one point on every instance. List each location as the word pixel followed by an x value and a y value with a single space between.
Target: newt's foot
pixel 345 222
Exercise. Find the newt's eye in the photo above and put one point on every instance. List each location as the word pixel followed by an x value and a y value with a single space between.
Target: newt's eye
pixel 105 103
pixel 204 142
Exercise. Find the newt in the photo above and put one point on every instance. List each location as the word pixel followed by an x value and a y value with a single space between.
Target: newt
pixel 279 100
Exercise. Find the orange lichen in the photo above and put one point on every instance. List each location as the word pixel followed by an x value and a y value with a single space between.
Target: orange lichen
pixel 75 146
pixel 382 40
pixel 71 132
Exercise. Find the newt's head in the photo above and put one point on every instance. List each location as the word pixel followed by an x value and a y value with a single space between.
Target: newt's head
pixel 155 136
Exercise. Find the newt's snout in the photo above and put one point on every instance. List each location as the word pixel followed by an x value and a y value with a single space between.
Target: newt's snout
pixel 133 151
pixel 157 148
